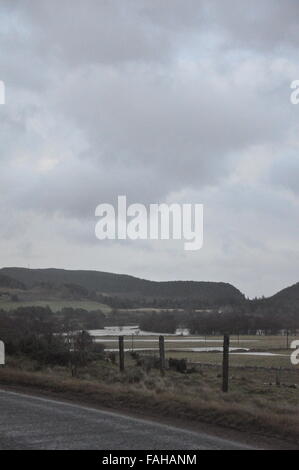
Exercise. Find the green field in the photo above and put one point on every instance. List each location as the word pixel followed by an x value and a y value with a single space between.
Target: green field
pixel 55 305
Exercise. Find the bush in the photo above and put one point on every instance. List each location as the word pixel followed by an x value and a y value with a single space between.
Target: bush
pixel 48 349
pixel 180 365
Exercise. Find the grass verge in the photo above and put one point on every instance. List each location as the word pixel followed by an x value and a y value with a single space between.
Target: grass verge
pixel 162 400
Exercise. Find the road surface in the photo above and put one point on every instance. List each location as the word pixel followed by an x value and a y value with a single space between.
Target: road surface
pixel 28 422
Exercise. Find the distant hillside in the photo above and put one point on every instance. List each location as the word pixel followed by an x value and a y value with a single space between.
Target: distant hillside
pixel 279 311
pixel 10 283
pixel 216 293
pixel 289 295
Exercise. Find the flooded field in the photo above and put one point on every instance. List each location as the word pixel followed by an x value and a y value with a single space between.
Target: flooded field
pixel 132 330
pixel 268 351
pixel 211 349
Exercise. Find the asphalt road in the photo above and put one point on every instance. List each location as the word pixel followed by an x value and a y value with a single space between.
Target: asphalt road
pixel 28 422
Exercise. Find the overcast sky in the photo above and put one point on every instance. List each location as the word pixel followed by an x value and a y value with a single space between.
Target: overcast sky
pixel 163 101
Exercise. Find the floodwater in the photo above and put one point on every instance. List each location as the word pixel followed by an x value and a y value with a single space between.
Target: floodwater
pixel 176 341
pixel 209 349
pixel 234 351
pixel 132 330
pixel 181 335
pixel 134 335
pixel 258 354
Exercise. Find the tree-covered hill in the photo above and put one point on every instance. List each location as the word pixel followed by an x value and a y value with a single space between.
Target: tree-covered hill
pixel 210 293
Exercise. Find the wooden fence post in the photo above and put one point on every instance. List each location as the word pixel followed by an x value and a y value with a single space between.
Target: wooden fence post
pixel 162 354
pixel 121 353
pixel 2 353
pixel 225 364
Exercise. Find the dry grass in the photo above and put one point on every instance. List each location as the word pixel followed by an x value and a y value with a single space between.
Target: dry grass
pixel 252 405
pixel 175 347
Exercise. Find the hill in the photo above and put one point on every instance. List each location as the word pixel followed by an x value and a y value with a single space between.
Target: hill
pixel 10 283
pixel 289 295
pixel 211 293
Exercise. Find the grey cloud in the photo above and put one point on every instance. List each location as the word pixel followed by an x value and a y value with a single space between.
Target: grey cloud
pixel 285 172
pixel 150 99
pixel 151 30
pixel 257 24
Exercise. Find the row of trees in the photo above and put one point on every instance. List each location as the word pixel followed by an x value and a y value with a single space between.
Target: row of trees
pixel 159 322
pixel 236 323
pixel 214 323
pixel 41 335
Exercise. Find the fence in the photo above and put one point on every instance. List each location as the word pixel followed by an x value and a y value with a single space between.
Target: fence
pixel 2 353
pixel 162 362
